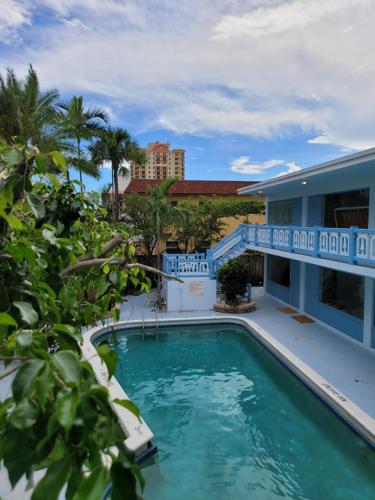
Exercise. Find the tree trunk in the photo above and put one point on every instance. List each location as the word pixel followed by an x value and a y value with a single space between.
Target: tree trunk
pixel 117 197
pixel 79 157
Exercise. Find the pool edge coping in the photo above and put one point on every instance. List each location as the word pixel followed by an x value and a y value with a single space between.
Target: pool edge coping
pixel 139 435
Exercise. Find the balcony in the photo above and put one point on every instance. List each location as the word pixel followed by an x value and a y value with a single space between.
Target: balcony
pixel 348 249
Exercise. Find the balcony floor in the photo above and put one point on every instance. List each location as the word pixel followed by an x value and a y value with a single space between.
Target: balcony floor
pixel 342 362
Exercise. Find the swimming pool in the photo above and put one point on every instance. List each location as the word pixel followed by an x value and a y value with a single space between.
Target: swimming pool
pixel 231 422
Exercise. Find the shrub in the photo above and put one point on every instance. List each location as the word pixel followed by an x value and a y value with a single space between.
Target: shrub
pixel 233 277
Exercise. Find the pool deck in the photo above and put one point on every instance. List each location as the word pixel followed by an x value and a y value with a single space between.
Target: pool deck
pixel 344 363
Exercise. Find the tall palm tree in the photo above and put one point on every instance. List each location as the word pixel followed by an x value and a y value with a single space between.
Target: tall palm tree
pixel 118 147
pixel 26 113
pixel 81 123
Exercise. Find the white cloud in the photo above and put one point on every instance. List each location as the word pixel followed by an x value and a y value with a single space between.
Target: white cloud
pixel 292 167
pixel 273 68
pixel 242 165
pixel 12 15
pixel 106 164
pixel 320 139
pixel 264 21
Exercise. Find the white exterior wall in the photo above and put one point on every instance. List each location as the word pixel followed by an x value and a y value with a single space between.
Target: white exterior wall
pixel 194 294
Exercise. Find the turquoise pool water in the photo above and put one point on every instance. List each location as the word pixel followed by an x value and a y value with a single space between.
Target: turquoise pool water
pixel 231 422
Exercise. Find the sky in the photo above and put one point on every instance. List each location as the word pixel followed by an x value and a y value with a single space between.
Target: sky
pixel 251 89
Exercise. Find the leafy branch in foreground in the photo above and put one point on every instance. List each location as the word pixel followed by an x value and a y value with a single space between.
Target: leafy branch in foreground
pixel 59 420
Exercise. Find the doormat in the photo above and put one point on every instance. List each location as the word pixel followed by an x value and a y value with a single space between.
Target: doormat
pixel 303 319
pixel 287 310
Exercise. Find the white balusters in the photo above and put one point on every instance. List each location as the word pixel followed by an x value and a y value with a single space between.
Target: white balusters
pixel 264 235
pixel 281 237
pixel 333 243
pixel 362 246
pixel 323 242
pixel 344 244
pixel 251 233
pixel 311 241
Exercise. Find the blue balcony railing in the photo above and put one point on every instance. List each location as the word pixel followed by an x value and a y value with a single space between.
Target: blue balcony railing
pixel 351 245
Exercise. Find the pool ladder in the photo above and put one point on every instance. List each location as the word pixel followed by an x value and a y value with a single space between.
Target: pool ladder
pixel 156 325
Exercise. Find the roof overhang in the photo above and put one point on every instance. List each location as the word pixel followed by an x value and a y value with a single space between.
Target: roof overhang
pixel 355 161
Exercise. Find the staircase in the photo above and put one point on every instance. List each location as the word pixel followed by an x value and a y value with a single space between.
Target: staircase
pixel 206 264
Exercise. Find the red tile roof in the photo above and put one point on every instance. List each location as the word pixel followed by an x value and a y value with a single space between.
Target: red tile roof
pixel 207 187
pixel 224 188
pixel 141 185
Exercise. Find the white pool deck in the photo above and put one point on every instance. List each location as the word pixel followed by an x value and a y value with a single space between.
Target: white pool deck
pixel 343 362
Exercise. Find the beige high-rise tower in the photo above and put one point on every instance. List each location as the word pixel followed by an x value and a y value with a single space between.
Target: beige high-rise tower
pixel 161 163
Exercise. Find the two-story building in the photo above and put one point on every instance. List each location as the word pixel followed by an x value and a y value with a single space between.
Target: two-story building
pixel 319 242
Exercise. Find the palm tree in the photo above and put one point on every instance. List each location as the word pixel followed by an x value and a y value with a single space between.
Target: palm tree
pixel 26 113
pixel 81 124
pixel 116 146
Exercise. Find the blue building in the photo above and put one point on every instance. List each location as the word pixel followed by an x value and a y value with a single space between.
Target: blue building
pixel 319 243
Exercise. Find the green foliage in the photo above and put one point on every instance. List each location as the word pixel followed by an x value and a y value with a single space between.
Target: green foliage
pixel 78 123
pixel 151 217
pixel 233 276
pixel 197 226
pixel 58 419
pixel 116 146
pixel 26 113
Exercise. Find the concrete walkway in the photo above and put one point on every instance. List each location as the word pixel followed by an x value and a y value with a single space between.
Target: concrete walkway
pixel 344 363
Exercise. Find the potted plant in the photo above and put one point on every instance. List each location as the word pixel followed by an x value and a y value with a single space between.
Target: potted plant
pixel 233 278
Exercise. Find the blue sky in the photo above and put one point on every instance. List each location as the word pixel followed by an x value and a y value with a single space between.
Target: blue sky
pixel 251 89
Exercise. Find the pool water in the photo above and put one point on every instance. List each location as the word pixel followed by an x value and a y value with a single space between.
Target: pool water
pixel 231 422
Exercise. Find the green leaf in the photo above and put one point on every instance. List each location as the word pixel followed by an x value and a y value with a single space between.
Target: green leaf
pixel 41 165
pixel 24 339
pixel 135 281
pixel 12 220
pixel 53 481
pixel 113 277
pixel 69 330
pixel 11 156
pixel 68 364
pixel 49 236
pixel 123 483
pixel 129 405
pixel 16 462
pixel 53 180
pixel 59 160
pixel 25 376
pixel 36 205
pixel 92 487
pixel 43 385
pixel 108 357
pixel 24 415
pixel 7 319
pixel 57 452
pixel 28 313
pixel 66 407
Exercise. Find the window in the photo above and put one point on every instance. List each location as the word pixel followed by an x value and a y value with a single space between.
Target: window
pixel 346 209
pixel 279 270
pixel 342 291
pixel 280 212
pixel 174 203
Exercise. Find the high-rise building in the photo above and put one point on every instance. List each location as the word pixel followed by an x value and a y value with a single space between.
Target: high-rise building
pixel 161 163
